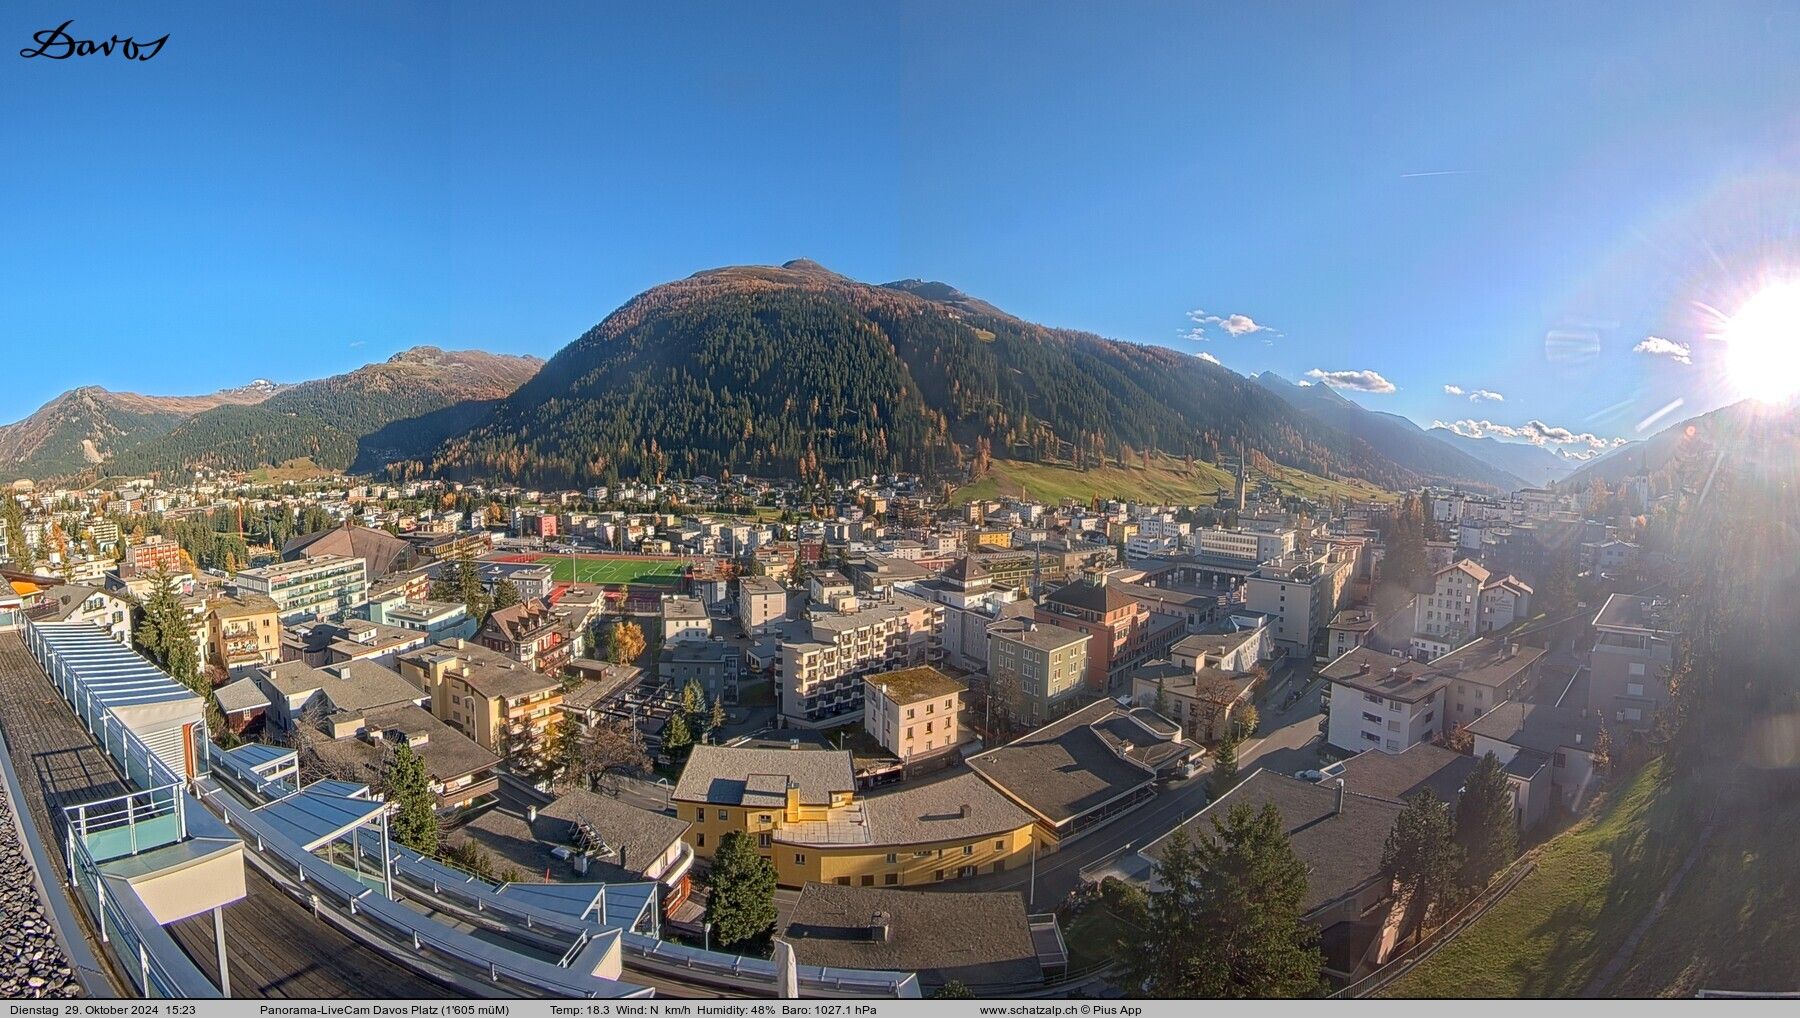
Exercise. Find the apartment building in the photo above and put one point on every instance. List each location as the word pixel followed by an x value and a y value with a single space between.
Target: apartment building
pixel 1118 623
pixel 761 600
pixel 327 587
pixel 825 656
pixel 1244 546
pixel 1040 668
pixel 1299 592
pixel 1634 651
pixel 972 603
pixel 154 554
pixel 245 631
pixel 684 618
pixel 1380 701
pixel 482 693
pixel 1466 601
pixel 913 712
pixel 530 632
pixel 802 808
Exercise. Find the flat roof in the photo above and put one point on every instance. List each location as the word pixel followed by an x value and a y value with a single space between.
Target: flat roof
pixel 1636 613
pixel 1065 769
pixel 910 685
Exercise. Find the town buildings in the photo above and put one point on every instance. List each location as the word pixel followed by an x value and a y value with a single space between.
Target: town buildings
pixel 327 587
pixel 1391 702
pixel 913 712
pixel 1037 670
pixel 1630 664
pixel 802 807
pixel 825 655
pixel 1466 601
pixel 1118 623
pixel 488 696
pixel 245 632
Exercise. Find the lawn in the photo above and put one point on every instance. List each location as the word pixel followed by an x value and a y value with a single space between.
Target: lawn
pixel 623 569
pixel 1564 922
pixel 1734 922
pixel 1165 480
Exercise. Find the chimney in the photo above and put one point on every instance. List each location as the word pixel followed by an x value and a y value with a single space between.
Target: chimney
pixel 531 814
pixel 881 929
pixel 1340 798
pixel 1577 738
pixel 964 812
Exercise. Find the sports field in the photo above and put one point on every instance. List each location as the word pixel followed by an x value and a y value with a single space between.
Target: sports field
pixel 625 569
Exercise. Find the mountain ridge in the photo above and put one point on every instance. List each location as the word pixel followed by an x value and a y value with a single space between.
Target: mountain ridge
pixel 796 370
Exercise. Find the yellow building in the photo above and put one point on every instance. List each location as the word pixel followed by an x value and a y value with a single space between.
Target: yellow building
pixel 244 632
pixel 483 693
pixel 802 808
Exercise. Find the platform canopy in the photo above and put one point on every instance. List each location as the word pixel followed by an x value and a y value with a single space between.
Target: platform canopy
pixel 616 905
pixel 313 818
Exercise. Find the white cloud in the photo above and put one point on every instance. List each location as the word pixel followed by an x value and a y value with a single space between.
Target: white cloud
pixel 1475 395
pixel 1233 325
pixel 1656 346
pixel 1362 381
pixel 1208 358
pixel 1535 432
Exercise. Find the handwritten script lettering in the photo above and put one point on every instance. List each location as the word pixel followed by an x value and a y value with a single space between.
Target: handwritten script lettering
pixel 57 44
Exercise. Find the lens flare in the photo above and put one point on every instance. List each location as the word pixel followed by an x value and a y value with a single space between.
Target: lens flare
pixel 1762 343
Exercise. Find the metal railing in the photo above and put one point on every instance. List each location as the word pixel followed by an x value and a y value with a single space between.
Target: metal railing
pixel 143 948
pixel 132 813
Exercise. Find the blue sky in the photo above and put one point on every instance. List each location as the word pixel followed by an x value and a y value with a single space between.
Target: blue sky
pixel 1508 200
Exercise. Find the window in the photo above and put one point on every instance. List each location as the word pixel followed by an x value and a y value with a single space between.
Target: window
pixel 1634 689
pixel 700 813
pixel 764 840
pixel 765 818
pixel 700 839
pixel 891 879
pixel 999 846
pixel 892 858
pixel 868 880
pixel 968 849
pixel 843 881
pixel 799 859
pixel 723 815
pixel 1562 759
pixel 1636 668
pixel 939 875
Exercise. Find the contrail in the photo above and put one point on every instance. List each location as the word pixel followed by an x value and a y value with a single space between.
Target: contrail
pixel 1435 173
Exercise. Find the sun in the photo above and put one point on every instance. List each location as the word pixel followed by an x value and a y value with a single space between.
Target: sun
pixel 1762 343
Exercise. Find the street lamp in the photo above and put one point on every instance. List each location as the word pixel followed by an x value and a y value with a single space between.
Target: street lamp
pixel 707 928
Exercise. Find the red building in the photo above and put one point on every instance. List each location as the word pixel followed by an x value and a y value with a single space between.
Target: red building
pixel 1118 623
pixel 155 553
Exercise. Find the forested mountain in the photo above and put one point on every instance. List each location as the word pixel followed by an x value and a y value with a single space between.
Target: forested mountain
pixel 1750 435
pixel 398 409
pixel 1406 444
pixel 1532 463
pixel 83 426
pixel 799 371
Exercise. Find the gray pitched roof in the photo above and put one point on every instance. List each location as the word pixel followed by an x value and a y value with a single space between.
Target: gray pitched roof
pixel 1540 727
pixel 1399 776
pixel 978 939
pixel 638 837
pixel 1342 852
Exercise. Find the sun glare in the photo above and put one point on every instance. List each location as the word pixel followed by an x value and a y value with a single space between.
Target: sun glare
pixel 1762 343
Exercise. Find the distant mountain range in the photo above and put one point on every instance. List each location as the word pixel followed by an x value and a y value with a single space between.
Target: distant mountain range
pixel 1424 454
pixel 363 419
pixel 784 371
pixel 799 371
pixel 1534 464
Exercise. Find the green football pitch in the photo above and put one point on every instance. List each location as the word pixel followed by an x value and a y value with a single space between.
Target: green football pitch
pixel 666 572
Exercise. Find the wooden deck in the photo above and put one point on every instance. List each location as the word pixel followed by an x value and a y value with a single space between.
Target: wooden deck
pixel 274 945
